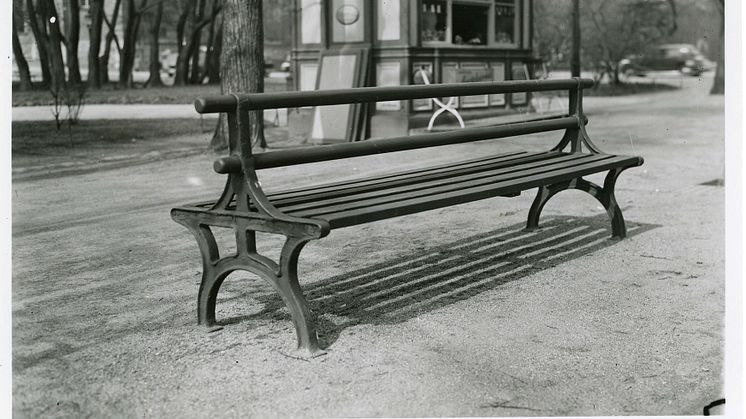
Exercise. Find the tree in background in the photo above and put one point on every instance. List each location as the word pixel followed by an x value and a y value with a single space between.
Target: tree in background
pixel 132 18
pixel 188 35
pixel 612 30
pixel 575 50
pixel 39 29
pixel 242 62
pixel 211 71
pixel 197 18
pixel 96 12
pixel 72 36
pixel 718 85
pixel 618 28
pixel 181 66
pixel 23 69
pixel 48 12
pixel 552 31
pixel 111 36
pixel 154 80
pixel 198 47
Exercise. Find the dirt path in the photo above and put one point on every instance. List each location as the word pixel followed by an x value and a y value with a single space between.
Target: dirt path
pixel 433 314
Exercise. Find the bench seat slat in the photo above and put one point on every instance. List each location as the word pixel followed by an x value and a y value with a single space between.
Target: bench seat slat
pixel 303 191
pixel 462 182
pixel 431 185
pixel 365 185
pixel 350 217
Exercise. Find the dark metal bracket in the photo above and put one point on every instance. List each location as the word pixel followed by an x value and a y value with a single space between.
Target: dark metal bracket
pixel 577 137
pixel 282 275
pixel 604 195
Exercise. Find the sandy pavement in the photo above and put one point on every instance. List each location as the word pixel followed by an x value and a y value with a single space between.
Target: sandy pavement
pixel 453 312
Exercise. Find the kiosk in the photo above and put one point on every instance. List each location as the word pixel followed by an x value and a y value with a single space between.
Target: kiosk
pixel 349 43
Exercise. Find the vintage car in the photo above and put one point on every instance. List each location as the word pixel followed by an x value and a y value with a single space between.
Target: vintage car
pixel 681 57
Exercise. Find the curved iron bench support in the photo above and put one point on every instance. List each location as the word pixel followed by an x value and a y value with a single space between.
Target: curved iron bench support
pixel 604 195
pixel 282 276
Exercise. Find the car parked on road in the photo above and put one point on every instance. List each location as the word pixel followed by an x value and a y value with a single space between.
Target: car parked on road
pixel 681 57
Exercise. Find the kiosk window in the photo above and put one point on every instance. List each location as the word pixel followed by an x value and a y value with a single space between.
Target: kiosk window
pixel 505 25
pixel 434 20
pixel 470 24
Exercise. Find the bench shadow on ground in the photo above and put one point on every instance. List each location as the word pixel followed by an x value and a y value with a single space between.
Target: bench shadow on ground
pixel 399 289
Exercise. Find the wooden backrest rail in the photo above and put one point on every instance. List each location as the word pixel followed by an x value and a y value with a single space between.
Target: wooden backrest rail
pixel 304 155
pixel 238 105
pixel 257 101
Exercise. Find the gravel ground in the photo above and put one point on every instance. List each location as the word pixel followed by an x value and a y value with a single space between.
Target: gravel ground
pixel 453 312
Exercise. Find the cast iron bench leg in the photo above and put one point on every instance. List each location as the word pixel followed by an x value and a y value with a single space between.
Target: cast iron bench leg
pixel 283 277
pixel 286 284
pixel 604 195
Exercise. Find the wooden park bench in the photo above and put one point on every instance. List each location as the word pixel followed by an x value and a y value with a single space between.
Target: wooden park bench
pixel 309 213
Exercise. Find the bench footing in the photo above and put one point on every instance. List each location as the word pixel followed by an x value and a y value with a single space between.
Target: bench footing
pixel 604 195
pixel 282 276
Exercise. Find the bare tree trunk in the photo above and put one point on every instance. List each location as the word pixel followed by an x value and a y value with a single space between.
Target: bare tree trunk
pixel 110 36
pixel 96 11
pixel 155 60
pixel 182 58
pixel 128 47
pixel 23 70
pixel 188 50
pixel 57 64
pixel 72 33
pixel 213 69
pixel 575 52
pixel 209 50
pixel 212 58
pixel 242 62
pixel 39 29
pixel 132 17
pixel 674 16
pixel 718 85
pixel 615 75
pixel 197 17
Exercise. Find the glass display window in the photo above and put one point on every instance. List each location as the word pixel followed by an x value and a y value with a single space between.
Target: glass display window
pixel 434 21
pixel 470 23
pixel 506 23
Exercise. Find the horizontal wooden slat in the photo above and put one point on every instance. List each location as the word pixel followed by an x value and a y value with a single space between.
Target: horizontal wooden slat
pixel 403 179
pixel 233 164
pixel 405 190
pixel 256 101
pixel 277 195
pixel 433 188
pixel 409 206
pixel 370 147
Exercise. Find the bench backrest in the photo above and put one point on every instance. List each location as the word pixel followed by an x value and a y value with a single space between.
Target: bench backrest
pixel 238 105
pixel 244 193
